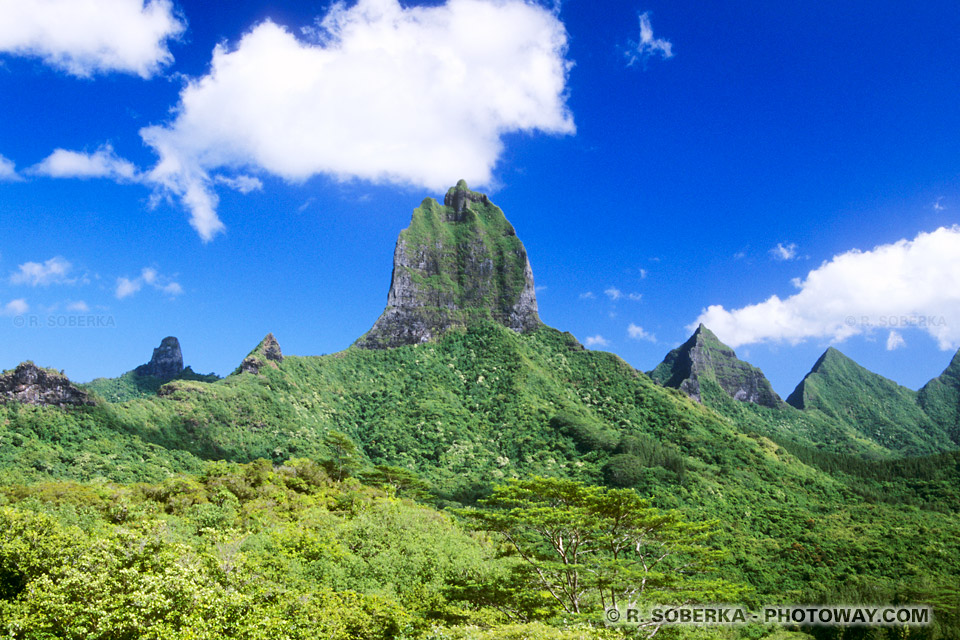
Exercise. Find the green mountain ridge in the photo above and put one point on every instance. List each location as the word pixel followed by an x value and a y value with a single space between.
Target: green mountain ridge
pixel 940 398
pixel 165 364
pixel 878 408
pixel 467 399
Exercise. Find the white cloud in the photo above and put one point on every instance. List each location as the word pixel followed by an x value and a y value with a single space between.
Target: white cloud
pixel 127 287
pixel 79 306
pixel 243 184
pixel 909 284
pixel 36 274
pixel 784 252
pixel 587 295
pixel 16 307
pixel 149 276
pixel 938 205
pixel 648 45
pixel 596 341
pixel 86 37
pixel 638 333
pixel 103 163
pixel 8 171
pixel 643 273
pixel 419 96
pixel 615 294
pixel 171 289
pixel 895 341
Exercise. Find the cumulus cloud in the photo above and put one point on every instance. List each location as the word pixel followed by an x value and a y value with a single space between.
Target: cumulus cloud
pixel 79 306
pixel 149 276
pixel 86 37
pixel 587 295
pixel 895 341
pixel 419 96
pixel 8 171
pixel 637 332
pixel 784 252
pixel 648 45
pixel 596 341
pixel 16 307
pixel 127 287
pixel 56 270
pixel 103 163
pixel 909 284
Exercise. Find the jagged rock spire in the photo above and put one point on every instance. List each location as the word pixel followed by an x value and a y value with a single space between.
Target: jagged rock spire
pixel 166 363
pixel 267 353
pixel 456 263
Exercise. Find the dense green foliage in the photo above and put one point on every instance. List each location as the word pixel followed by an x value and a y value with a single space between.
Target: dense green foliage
pixel 587 545
pixel 447 421
pixel 130 385
pixel 940 399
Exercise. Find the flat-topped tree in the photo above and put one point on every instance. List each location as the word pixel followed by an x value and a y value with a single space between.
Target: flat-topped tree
pixel 457 263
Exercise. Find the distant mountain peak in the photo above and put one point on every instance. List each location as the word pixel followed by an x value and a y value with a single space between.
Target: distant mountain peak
pixel 455 264
pixel 267 353
pixel 166 362
pixel 876 407
pixel 704 356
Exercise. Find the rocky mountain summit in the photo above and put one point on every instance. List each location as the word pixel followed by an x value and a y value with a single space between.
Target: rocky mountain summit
pixel 704 356
pixel 30 384
pixel 166 363
pixel 267 353
pixel 456 263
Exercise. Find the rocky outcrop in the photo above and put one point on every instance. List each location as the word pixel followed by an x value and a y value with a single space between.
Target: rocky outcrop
pixel 166 363
pixel 30 384
pixel 703 356
pixel 457 263
pixel 267 353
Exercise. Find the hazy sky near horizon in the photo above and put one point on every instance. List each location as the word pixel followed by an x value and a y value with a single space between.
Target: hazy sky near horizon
pixel 786 174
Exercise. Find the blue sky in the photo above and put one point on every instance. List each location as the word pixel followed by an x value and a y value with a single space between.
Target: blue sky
pixel 786 173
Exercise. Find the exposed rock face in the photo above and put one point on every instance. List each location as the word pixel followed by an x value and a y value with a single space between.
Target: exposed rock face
pixel 267 353
pixel 30 384
pixel 456 263
pixel 703 355
pixel 166 363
